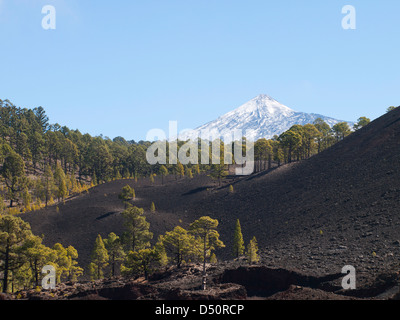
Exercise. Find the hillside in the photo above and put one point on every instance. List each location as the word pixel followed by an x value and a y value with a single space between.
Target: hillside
pixel 340 207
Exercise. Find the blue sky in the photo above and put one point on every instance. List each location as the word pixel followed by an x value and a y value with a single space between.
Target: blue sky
pixel 121 68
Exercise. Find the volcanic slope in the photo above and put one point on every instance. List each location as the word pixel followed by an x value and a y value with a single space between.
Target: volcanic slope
pixel 340 207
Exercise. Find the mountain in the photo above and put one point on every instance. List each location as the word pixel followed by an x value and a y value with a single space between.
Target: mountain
pixel 261 117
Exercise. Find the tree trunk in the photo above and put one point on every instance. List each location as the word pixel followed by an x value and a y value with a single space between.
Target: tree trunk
pixel 36 274
pixel 6 266
pixel 113 268
pixel 204 280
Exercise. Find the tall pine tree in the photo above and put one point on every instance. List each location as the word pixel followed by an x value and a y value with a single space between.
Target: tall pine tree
pixel 99 258
pixel 238 243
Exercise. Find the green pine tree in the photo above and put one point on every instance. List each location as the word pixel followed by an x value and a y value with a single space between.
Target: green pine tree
pixel 205 229
pixel 189 173
pixel 26 198
pixel 127 193
pixel 218 172
pixel 137 228
pixel 2 205
pixel 141 262
pixel 115 251
pixel 252 249
pixel 213 259
pixel 99 258
pixel 238 243
pixel 14 236
pixel 61 184
pixel 164 172
pixel 179 245
pixel 48 184
pixel 38 255
pixel 13 173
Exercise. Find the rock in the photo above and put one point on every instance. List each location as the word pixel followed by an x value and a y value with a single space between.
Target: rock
pixel 4 296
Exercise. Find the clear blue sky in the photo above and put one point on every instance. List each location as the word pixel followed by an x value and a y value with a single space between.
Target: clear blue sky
pixel 121 68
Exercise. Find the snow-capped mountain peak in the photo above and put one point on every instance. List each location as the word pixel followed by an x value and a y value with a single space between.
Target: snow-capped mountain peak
pixel 263 104
pixel 261 117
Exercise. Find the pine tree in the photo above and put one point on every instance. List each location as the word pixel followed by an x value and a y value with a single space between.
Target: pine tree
pixel 238 243
pixel 137 227
pixel 127 194
pixel 252 249
pixel 36 145
pixel 162 252
pixel 144 261
pixel 179 244
pixel 163 172
pixel 27 199
pixel 60 181
pixel 341 130
pixel 291 140
pixel 179 170
pixel 361 122
pixel 196 169
pixel 152 207
pixel 73 270
pixel 14 236
pixel 213 259
pixel 2 205
pixel 61 261
pixel 125 173
pixel 48 184
pixel 189 173
pixel 231 188
pixel 13 172
pixel 218 172
pixel 99 258
pixel 115 251
pixel 391 108
pixel 38 255
pixel 62 191
pixel 94 180
pixel 205 229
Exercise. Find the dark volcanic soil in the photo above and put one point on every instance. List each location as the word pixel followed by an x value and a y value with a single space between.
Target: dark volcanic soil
pixel 341 207
pixel 233 280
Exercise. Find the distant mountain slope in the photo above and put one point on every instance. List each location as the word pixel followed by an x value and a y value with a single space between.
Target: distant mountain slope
pixel 262 116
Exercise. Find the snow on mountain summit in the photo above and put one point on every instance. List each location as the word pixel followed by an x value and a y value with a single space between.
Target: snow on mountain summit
pixel 264 105
pixel 261 117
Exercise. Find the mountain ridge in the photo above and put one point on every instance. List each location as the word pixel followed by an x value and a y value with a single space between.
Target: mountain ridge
pixel 260 117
